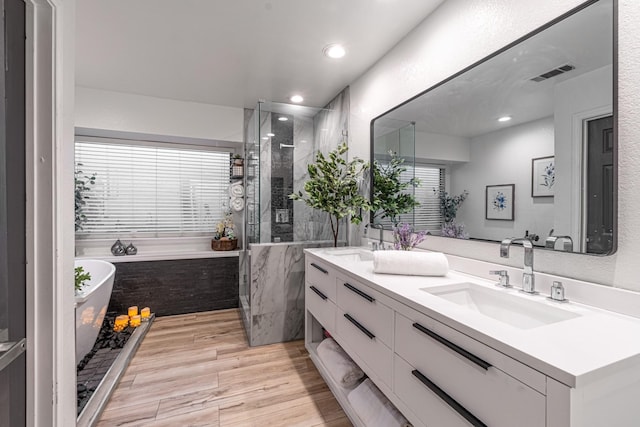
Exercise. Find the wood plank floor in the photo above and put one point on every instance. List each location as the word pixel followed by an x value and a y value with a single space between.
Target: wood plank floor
pixel 198 370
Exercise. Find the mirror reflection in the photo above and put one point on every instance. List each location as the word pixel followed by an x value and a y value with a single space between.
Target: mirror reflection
pixel 520 145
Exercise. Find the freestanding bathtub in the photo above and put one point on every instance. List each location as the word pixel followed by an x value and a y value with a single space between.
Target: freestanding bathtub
pixel 92 302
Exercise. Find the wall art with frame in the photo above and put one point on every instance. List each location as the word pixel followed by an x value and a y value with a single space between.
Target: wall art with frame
pixel 499 202
pixel 543 176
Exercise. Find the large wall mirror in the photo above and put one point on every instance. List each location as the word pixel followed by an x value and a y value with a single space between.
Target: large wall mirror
pixel 521 144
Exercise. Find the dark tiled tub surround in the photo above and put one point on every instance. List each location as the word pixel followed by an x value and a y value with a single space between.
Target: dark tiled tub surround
pixel 181 286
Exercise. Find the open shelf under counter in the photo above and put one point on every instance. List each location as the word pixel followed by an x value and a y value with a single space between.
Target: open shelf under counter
pixel 339 392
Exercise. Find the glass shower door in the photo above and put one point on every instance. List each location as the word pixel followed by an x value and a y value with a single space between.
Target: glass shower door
pixel 12 217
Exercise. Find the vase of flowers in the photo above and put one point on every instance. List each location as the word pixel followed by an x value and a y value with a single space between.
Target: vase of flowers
pixel 405 239
pixel 224 237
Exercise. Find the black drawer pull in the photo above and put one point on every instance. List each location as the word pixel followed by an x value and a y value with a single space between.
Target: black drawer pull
pixel 448 400
pixel 317 291
pixel 359 326
pixel 359 292
pixel 319 268
pixel 461 351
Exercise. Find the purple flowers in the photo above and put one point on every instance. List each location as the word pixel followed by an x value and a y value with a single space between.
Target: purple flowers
pixel 405 239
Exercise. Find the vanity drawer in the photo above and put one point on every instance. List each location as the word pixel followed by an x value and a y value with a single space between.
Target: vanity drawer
pixel 363 303
pixel 322 308
pixel 467 375
pixel 409 339
pixel 357 339
pixel 321 275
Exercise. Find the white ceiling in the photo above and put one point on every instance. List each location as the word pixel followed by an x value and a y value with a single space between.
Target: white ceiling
pixel 470 104
pixel 235 52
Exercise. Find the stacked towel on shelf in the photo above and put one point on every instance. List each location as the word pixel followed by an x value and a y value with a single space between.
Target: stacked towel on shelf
pixel 413 263
pixel 340 366
pixel 373 408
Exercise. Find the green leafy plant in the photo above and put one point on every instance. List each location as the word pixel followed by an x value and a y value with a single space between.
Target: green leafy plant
pixel 83 183
pixel 449 205
pixel 390 198
pixel 81 278
pixel 334 187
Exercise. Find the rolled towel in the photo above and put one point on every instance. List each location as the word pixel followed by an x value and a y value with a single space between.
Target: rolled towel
pixel 413 263
pixel 342 369
pixel 373 407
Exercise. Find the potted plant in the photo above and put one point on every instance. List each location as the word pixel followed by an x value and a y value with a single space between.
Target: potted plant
pixel 449 206
pixel 390 198
pixel 224 238
pixel 334 187
pixel 81 278
pixel 83 185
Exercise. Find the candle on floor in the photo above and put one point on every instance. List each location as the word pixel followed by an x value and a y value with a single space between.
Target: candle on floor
pixel 133 311
pixel 145 313
pixel 135 321
pixel 121 322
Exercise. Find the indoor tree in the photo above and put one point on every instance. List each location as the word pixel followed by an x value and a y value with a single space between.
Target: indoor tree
pixel 334 187
pixel 390 197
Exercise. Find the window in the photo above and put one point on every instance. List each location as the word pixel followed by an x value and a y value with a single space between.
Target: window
pixel 147 189
pixel 427 215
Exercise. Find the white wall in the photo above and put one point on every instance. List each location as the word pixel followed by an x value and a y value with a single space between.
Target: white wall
pixel 461 32
pixel 572 104
pixel 442 149
pixel 125 112
pixel 504 157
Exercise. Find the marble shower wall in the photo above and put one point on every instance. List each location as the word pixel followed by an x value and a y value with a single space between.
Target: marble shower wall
pixel 330 128
pixel 276 312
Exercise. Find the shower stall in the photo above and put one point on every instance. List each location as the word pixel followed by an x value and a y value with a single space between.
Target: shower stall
pixel 280 141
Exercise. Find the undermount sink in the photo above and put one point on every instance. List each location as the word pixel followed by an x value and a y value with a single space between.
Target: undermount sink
pixel 352 254
pixel 499 305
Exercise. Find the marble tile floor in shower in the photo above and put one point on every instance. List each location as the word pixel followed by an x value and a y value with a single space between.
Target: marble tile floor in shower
pixel 198 370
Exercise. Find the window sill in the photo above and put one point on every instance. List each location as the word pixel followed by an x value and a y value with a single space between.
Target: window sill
pixel 162 256
pixel 150 249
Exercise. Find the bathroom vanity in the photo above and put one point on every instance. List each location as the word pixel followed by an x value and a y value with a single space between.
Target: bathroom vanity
pixel 458 350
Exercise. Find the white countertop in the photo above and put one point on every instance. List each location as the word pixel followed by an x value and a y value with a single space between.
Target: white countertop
pixel 589 347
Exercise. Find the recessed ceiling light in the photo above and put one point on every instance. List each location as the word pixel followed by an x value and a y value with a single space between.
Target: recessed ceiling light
pixel 504 119
pixel 334 51
pixel 271 134
pixel 282 119
pixel 296 98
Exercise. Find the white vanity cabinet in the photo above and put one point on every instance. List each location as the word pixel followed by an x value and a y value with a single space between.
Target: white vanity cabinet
pixel 364 325
pixel 441 369
pixel 450 378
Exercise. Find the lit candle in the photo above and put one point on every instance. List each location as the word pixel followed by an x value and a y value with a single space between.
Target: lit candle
pixel 135 321
pixel 133 311
pixel 121 322
pixel 145 313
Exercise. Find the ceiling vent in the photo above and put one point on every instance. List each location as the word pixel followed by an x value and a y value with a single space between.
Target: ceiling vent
pixel 553 73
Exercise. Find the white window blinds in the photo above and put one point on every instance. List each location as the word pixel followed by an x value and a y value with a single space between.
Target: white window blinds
pixel 152 191
pixel 427 214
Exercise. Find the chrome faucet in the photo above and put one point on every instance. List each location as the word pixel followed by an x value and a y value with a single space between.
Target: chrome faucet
pixel 528 280
pixel 567 246
pixel 380 244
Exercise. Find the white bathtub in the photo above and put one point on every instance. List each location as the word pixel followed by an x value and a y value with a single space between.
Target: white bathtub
pixel 92 302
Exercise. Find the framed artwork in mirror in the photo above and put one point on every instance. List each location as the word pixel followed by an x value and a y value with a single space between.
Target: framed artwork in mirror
pixel 499 202
pixel 543 176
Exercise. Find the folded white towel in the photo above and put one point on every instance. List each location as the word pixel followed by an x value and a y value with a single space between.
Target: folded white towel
pixel 374 408
pixel 413 263
pixel 340 366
